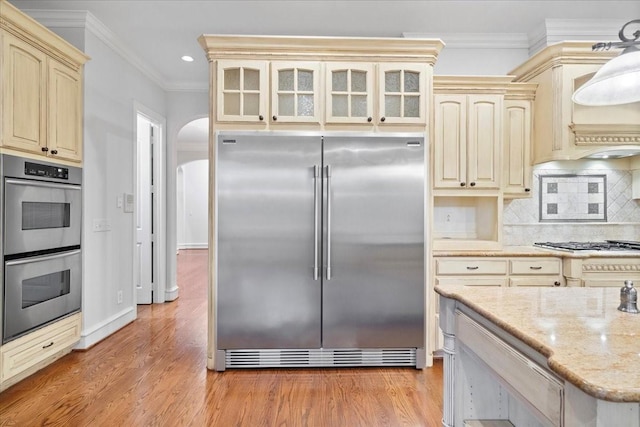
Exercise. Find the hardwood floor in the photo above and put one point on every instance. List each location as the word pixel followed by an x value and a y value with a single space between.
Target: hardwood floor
pixel 153 373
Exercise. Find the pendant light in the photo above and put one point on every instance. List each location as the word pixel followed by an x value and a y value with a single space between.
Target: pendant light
pixel 618 81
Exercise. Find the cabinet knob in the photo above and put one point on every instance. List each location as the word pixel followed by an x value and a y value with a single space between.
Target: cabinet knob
pixel 45 149
pixel 54 152
pixel 261 117
pixel 556 283
pixel 369 119
pixel 526 190
pixel 473 184
pixel 462 184
pixel 274 118
pixel 382 119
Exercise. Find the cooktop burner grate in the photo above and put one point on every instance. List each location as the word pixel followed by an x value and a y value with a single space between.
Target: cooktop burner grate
pixel 608 245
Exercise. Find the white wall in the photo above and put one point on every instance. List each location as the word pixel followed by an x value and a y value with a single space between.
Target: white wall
pixel 193 205
pixel 182 107
pixel 111 87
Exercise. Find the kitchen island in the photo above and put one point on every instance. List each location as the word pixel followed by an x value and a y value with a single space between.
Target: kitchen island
pixel 539 356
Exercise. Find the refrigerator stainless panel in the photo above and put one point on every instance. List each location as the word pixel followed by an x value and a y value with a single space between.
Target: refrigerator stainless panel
pixel 266 293
pixel 373 242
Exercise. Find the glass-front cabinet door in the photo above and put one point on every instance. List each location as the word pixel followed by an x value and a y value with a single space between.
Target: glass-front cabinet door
pixel 349 93
pixel 242 91
pixel 402 89
pixel 295 89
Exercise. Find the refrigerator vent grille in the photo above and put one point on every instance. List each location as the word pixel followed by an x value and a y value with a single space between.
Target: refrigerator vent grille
pixel 272 358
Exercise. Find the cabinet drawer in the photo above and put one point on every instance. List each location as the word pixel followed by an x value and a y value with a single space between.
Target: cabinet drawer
pixel 536 266
pixel 532 382
pixel 29 350
pixel 471 266
pixel 536 281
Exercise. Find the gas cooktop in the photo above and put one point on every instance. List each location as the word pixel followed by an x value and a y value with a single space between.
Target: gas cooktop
pixel 607 245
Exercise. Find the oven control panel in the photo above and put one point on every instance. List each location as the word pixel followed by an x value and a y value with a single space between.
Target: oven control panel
pixel 45 171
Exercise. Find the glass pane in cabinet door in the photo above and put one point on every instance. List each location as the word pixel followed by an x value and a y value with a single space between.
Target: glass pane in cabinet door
pixel 358 81
pixel 392 105
pixel 339 106
pixel 392 81
pixel 251 79
pixel 411 81
pixel 232 79
pixel 232 104
pixel 359 105
pixel 412 106
pixel 251 105
pixel 339 81
pixel 305 105
pixel 285 80
pixel 285 105
pixel 305 80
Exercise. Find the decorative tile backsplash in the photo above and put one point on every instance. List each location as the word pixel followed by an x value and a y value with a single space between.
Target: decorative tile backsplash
pixel 521 217
pixel 573 198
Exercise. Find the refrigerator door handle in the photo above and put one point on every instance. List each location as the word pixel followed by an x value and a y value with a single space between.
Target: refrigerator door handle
pixel 328 222
pixel 315 221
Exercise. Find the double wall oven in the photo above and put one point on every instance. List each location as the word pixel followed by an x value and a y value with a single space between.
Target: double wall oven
pixel 41 213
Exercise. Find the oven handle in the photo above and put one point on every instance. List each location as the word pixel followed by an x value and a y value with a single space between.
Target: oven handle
pixel 42 258
pixel 42 184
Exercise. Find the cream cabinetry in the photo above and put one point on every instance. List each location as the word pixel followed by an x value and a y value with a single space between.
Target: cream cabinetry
pixel 242 91
pixel 601 271
pixel 467 220
pixel 493 271
pixel 25 355
pixel 385 93
pixel 42 90
pixel 295 92
pixel 564 130
pixel 289 83
pixel 467 141
pixel 468 117
pixel 517 134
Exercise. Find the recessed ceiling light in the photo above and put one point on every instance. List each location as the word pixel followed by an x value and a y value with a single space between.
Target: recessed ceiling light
pixel 187 58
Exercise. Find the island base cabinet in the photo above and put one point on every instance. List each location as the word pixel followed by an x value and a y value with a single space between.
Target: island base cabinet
pixel 582 410
pixel 493 379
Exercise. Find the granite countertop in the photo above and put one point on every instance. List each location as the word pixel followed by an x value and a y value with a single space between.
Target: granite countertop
pixel 587 341
pixel 534 251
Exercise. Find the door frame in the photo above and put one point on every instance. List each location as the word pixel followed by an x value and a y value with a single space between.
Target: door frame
pixel 159 253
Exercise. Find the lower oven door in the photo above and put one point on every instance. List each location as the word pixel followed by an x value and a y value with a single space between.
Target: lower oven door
pixel 39 290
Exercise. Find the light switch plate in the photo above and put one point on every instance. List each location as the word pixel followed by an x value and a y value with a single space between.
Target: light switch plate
pixel 128 202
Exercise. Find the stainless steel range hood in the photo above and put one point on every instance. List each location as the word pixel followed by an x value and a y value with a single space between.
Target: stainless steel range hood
pixel 613 152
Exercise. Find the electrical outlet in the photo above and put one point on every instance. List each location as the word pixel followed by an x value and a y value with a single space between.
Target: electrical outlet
pixel 119 297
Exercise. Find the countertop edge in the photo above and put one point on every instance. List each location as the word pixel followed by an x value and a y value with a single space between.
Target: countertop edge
pixel 534 251
pixel 611 395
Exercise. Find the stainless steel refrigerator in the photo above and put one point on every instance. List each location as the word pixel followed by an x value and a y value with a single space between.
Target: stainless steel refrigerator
pixel 320 249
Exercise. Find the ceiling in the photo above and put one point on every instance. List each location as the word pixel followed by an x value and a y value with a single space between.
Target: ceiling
pixel 158 33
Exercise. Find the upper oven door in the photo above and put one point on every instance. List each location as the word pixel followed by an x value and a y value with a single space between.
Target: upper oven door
pixel 40 215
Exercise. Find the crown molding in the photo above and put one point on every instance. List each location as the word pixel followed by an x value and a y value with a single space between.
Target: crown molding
pixel 553 31
pixel 85 19
pixel 477 40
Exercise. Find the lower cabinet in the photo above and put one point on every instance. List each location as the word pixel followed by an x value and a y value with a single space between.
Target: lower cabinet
pixel 602 272
pixel 26 355
pixel 493 271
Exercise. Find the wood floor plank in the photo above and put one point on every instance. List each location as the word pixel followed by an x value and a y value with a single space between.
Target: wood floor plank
pixel 153 373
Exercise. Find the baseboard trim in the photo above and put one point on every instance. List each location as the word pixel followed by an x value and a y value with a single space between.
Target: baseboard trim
pixel 102 330
pixel 172 293
pixel 193 246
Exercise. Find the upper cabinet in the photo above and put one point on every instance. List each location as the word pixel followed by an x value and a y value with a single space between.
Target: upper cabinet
pixel 295 92
pixel 468 131
pixel 42 90
pixel 242 91
pixel 564 130
pixel 403 89
pixel 517 134
pixel 266 82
